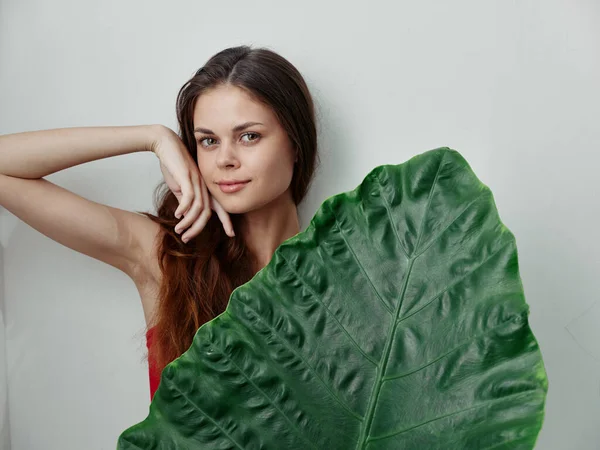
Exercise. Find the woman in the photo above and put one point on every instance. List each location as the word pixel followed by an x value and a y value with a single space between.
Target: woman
pixel 246 149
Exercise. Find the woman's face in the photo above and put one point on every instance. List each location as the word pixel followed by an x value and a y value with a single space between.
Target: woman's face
pixel 261 152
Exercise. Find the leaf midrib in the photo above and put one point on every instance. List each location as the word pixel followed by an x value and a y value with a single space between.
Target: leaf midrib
pixel 364 432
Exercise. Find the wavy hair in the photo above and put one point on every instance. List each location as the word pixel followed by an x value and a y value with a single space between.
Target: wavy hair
pixel 199 277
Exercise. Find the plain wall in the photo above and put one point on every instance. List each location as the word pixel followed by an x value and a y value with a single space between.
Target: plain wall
pixel 4 411
pixel 513 86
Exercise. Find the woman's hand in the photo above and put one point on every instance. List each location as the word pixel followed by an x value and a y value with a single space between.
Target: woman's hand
pixel 183 177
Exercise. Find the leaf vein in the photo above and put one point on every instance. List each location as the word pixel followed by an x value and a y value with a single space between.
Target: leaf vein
pixel 312 369
pixel 207 416
pixel 371 360
pixel 467 341
pixel 420 233
pixel 441 233
pixel 388 210
pixel 337 223
pixel 293 425
pixel 362 440
pixel 489 402
pixel 460 280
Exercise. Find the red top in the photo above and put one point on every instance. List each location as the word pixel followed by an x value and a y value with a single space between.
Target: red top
pixel 153 374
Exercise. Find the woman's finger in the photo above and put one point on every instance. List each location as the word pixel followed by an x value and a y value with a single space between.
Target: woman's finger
pixel 198 225
pixel 200 220
pixel 197 183
pixel 194 211
pixel 224 217
pixel 187 198
pixel 190 217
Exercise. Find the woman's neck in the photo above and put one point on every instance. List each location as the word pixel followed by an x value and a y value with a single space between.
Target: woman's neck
pixel 266 228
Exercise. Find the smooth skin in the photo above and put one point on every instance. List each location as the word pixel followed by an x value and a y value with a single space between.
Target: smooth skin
pixel 126 240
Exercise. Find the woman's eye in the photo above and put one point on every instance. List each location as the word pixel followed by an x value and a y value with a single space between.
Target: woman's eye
pixel 205 139
pixel 255 137
pixel 251 134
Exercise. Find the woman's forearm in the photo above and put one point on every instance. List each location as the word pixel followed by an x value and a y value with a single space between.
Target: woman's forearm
pixel 36 154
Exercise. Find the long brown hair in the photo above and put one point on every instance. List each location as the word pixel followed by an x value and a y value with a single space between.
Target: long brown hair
pixel 199 277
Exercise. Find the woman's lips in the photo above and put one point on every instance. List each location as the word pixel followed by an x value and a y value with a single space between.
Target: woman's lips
pixel 229 188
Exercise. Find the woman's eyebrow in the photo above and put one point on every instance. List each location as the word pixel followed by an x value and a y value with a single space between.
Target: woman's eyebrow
pixel 235 129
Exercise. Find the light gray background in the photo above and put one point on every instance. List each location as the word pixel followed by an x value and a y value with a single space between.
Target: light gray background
pixel 513 86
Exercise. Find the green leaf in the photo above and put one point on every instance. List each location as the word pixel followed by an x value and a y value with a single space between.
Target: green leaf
pixel 396 320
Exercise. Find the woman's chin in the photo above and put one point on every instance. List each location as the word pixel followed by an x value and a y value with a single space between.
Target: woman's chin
pixel 235 207
pixel 236 210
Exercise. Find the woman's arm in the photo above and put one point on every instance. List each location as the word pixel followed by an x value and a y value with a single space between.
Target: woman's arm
pixel 115 236
pixel 36 154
